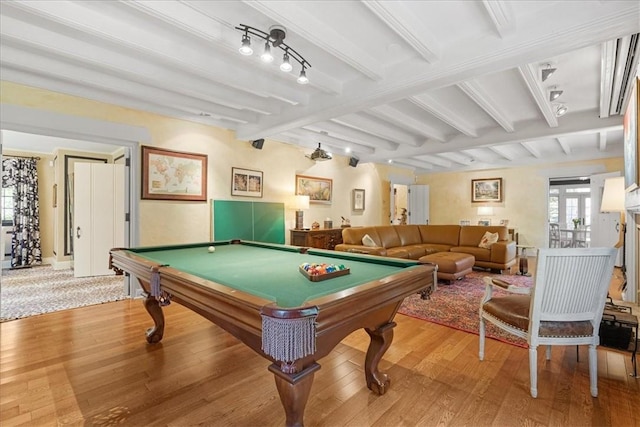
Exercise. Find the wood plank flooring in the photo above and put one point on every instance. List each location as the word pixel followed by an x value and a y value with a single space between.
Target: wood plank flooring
pixel 92 366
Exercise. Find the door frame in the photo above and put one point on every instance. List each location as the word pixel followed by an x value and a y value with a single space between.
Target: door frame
pixel 42 122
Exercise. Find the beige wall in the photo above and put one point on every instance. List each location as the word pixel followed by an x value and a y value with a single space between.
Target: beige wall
pixel 524 195
pixel 168 222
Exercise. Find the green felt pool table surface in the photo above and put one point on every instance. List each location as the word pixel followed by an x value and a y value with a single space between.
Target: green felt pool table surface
pixel 271 271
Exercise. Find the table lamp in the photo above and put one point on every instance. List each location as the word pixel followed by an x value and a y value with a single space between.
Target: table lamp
pixel 302 203
pixel 613 201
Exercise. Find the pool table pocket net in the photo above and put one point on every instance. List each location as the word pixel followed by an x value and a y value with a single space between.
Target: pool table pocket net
pixel 288 340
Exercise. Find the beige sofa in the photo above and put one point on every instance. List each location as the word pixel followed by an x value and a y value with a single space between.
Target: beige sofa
pixel 415 241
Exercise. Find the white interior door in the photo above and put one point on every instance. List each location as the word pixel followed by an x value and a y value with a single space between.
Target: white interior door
pixel 98 216
pixel 418 204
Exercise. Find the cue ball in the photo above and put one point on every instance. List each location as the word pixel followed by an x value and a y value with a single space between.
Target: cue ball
pixel 212 249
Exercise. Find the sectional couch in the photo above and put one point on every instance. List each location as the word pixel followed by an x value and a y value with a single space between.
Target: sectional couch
pixel 415 241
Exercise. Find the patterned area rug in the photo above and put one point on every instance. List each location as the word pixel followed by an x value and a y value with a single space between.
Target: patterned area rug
pixel 38 290
pixel 456 305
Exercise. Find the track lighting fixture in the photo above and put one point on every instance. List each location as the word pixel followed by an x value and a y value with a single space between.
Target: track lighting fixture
pixel 547 71
pixel 274 38
pixel 560 110
pixel 319 154
pixel 554 93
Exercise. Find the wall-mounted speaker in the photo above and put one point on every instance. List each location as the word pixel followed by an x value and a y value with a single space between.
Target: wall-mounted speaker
pixel 258 143
pixel 353 161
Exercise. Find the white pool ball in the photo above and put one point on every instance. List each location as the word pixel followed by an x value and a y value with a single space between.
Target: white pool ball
pixel 212 249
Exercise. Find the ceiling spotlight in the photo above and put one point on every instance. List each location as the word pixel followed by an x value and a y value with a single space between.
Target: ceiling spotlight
pixel 554 93
pixel 347 150
pixel 286 65
pixel 319 154
pixel 274 38
pixel 302 79
pixel 547 71
pixel 390 161
pixel 266 55
pixel 560 110
pixel 245 49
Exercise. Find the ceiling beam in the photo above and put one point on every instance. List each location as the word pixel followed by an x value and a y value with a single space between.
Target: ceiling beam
pixel 435 160
pixel 531 149
pixel 607 68
pixel 438 109
pixel 414 163
pixel 564 144
pixel 501 15
pixel 354 135
pixel 368 124
pixel 337 145
pixel 476 92
pixel 386 112
pixel 602 141
pixel 403 22
pixel 294 17
pixel 531 75
pixel 499 150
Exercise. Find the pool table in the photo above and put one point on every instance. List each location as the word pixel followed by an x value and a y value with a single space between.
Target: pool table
pixel 256 292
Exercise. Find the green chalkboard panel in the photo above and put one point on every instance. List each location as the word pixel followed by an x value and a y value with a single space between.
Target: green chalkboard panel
pixel 259 221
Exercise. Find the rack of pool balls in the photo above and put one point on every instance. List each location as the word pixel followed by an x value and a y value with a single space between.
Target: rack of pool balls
pixel 317 272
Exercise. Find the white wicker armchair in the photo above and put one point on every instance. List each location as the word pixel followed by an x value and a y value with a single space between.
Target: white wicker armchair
pixel 564 306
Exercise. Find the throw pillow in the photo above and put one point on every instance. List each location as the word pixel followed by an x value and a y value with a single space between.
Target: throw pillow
pixel 368 241
pixel 488 239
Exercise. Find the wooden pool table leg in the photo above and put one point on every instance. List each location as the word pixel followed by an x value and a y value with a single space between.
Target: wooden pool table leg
pixel 381 338
pixel 155 333
pixel 294 391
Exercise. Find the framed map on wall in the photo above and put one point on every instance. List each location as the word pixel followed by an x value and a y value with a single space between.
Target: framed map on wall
pixel 173 175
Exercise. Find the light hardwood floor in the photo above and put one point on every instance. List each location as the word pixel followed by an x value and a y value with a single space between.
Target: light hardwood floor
pixel 92 366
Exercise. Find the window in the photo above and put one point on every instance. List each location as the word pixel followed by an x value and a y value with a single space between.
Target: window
pixel 569 199
pixel 6 210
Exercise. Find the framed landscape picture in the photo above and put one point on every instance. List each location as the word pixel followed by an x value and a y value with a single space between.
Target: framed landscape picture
pixel 486 190
pixel 246 182
pixel 173 175
pixel 319 190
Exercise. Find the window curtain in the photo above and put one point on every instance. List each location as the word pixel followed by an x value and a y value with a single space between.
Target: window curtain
pixel 22 175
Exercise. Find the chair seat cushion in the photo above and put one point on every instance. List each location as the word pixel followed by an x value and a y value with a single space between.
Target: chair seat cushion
pixel 514 310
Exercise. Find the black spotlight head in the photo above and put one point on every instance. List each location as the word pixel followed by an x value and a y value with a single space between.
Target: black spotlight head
pixel 258 143
pixel 353 161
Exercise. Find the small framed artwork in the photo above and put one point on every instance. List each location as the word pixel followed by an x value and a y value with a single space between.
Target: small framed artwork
pixel 484 222
pixel 358 199
pixel 246 182
pixel 319 190
pixel 504 222
pixel 173 175
pixel 465 222
pixel 486 190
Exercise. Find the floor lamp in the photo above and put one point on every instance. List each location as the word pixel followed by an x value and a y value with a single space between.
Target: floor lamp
pixel 302 203
pixel 613 201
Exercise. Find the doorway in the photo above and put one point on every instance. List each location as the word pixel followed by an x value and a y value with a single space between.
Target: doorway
pixel 569 212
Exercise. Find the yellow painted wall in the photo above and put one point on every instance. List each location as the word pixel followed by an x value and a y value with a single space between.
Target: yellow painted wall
pixel 169 222
pixel 524 196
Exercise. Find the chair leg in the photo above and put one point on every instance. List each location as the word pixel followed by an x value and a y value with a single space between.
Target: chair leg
pixel 481 338
pixel 533 370
pixel 593 370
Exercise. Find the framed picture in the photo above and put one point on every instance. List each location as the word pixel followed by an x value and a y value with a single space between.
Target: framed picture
pixel 465 222
pixel 358 199
pixel 485 222
pixel 632 140
pixel 173 175
pixel 504 222
pixel 246 182
pixel 319 190
pixel 486 190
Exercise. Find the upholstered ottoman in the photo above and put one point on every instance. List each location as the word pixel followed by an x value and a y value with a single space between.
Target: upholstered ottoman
pixel 451 265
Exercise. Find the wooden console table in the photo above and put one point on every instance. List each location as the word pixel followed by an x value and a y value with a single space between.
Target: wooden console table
pixel 324 238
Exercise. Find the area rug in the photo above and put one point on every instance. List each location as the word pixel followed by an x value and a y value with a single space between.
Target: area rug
pixel 456 305
pixel 41 289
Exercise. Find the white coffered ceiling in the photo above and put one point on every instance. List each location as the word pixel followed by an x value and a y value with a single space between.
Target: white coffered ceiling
pixel 431 85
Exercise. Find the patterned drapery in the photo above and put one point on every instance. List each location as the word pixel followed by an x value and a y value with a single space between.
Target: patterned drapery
pixel 22 175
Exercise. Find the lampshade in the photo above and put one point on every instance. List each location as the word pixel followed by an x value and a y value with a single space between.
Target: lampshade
pixel 613 195
pixel 485 210
pixel 302 202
